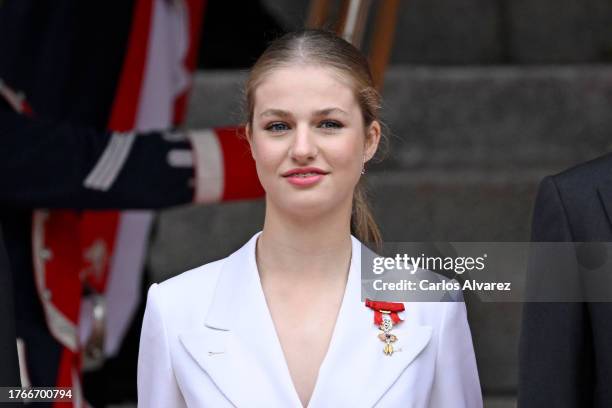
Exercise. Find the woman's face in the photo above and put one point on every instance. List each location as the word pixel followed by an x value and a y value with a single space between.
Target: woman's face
pixel 308 139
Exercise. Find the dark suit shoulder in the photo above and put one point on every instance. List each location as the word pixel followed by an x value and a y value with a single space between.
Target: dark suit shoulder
pixel 582 192
pixel 586 175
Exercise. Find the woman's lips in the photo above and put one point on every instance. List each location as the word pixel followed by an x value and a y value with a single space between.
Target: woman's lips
pixel 304 176
pixel 304 180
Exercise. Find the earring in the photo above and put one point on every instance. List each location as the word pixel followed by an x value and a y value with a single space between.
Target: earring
pixel 363 169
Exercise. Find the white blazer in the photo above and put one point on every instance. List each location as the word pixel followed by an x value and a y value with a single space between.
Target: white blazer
pixel 208 340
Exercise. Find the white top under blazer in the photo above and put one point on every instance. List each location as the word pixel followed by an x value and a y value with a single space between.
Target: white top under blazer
pixel 208 340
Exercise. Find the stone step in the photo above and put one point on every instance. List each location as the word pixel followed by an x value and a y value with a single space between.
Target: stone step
pixel 483 118
pixel 489 31
pixel 505 117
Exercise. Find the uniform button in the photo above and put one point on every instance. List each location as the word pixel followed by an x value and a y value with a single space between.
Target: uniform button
pixel 47 294
pixel 46 254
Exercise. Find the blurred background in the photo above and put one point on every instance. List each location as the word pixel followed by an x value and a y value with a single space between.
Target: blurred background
pixel 482 99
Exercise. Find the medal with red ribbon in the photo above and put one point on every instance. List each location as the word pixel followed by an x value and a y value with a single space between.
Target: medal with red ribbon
pixel 385 317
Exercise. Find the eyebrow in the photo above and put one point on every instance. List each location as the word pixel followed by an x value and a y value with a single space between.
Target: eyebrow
pixel 320 112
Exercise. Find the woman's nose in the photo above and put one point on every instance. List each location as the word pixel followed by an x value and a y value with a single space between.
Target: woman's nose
pixel 303 145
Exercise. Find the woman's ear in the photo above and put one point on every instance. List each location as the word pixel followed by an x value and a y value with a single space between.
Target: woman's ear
pixel 372 140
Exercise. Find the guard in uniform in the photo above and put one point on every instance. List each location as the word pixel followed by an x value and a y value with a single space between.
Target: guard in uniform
pixel 99 78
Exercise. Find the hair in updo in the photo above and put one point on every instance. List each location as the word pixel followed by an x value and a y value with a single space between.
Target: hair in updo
pixel 324 48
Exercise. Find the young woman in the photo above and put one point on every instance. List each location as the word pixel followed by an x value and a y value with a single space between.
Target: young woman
pixel 280 323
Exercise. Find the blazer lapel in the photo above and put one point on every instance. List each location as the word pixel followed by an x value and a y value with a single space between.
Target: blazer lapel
pixel 237 344
pixel 355 371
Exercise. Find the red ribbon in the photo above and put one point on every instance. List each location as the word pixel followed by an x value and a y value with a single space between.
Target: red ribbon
pixel 385 307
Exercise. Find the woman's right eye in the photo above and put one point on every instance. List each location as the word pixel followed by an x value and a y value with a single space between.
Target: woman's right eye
pixel 277 127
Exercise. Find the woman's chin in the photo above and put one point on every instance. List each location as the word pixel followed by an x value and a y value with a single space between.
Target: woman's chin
pixel 308 209
pixel 307 205
pixel 305 211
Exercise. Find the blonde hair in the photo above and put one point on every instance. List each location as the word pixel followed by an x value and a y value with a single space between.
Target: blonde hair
pixel 324 48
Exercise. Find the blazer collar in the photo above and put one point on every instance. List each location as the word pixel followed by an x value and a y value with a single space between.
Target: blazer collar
pixel 238 347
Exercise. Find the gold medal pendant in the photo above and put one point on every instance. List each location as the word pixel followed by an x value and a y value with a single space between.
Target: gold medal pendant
pixel 388 349
pixel 385 315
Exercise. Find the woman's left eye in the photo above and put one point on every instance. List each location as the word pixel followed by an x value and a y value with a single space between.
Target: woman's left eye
pixel 330 124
